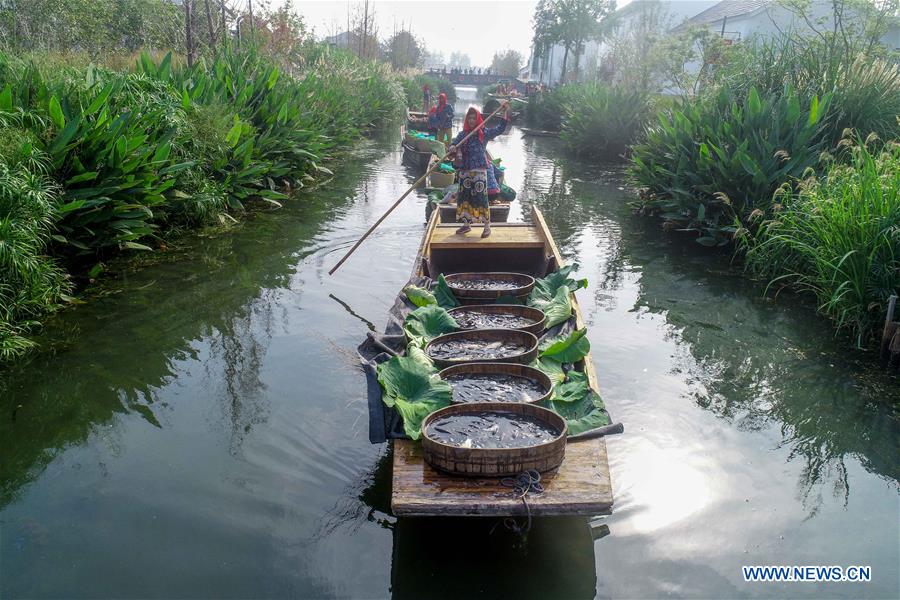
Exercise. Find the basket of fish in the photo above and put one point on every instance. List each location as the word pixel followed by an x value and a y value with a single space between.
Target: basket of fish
pixel 497 382
pixel 489 286
pixel 493 439
pixel 500 316
pixel 482 345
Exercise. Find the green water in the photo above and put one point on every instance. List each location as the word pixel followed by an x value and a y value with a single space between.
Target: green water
pixel 201 428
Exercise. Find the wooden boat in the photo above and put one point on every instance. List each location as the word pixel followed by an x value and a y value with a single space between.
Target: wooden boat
pixel 581 485
pixel 415 158
pixel 417 121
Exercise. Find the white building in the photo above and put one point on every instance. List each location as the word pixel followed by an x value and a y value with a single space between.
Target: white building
pixel 548 70
pixel 744 19
pixel 735 20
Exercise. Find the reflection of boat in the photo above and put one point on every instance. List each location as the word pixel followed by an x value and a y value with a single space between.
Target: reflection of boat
pixel 468 557
pixel 527 131
pixel 580 486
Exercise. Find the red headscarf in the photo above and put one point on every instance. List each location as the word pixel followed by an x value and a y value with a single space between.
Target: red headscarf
pixel 442 102
pixel 478 121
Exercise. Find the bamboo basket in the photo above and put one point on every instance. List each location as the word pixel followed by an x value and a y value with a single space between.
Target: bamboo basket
pixel 495 462
pixel 523 285
pixel 532 314
pixel 438 179
pixel 491 368
pixel 488 335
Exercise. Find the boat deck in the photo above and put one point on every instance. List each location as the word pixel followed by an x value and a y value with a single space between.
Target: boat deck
pixel 581 485
pixel 503 235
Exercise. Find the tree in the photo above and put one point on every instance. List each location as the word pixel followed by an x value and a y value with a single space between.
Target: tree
pixel 404 51
pixel 460 60
pixel 847 27
pixel 507 63
pixel 570 23
pixel 545 31
pixel 433 59
pixel 365 32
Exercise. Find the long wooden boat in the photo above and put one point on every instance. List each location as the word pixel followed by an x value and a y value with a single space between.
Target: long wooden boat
pixel 415 158
pixel 581 485
pixel 417 121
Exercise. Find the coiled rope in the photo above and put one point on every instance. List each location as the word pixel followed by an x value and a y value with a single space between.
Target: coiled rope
pixel 526 482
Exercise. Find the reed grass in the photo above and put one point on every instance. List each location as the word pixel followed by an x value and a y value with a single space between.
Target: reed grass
pixel 838 239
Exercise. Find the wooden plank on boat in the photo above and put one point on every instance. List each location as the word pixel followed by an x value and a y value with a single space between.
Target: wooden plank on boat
pixel 581 486
pixel 518 236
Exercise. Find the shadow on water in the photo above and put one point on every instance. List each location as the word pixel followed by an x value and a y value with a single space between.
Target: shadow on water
pixel 471 557
pixel 105 360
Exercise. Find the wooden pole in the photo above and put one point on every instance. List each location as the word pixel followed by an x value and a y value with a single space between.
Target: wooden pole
pixel 503 105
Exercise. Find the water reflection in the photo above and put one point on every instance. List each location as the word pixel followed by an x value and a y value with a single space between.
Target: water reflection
pixel 111 356
pixel 746 359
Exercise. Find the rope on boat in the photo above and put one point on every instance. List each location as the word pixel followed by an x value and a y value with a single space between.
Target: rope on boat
pixel 526 482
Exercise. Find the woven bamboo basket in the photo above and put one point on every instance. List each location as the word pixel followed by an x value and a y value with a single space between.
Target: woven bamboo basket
pixel 487 335
pixel 523 284
pixel 533 314
pixel 441 180
pixel 512 369
pixel 495 462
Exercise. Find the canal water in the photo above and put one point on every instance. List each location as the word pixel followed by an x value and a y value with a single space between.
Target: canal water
pixel 200 428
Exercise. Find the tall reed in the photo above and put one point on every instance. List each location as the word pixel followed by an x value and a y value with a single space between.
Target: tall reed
pixel 838 239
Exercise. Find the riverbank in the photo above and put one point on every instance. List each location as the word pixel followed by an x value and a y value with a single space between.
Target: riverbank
pixel 97 161
pixel 778 131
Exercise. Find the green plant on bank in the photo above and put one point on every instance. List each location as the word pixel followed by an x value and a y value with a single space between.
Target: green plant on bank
pixel 707 165
pixel 601 122
pixel 865 89
pixel 412 87
pixel 119 158
pixel 546 110
pixel 838 238
pixel 30 281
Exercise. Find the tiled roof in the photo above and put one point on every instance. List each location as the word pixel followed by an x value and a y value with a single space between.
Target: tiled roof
pixel 729 9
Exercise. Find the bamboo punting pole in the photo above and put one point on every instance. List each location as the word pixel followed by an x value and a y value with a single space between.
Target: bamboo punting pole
pixel 504 105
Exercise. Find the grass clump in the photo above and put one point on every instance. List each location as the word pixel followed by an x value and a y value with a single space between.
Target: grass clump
pixel 706 166
pixel 838 239
pixel 601 122
pixel 30 281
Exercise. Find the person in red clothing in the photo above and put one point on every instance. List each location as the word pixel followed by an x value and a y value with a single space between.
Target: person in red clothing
pixel 472 200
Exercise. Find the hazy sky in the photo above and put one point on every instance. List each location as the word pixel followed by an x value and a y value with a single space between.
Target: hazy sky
pixel 477 28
